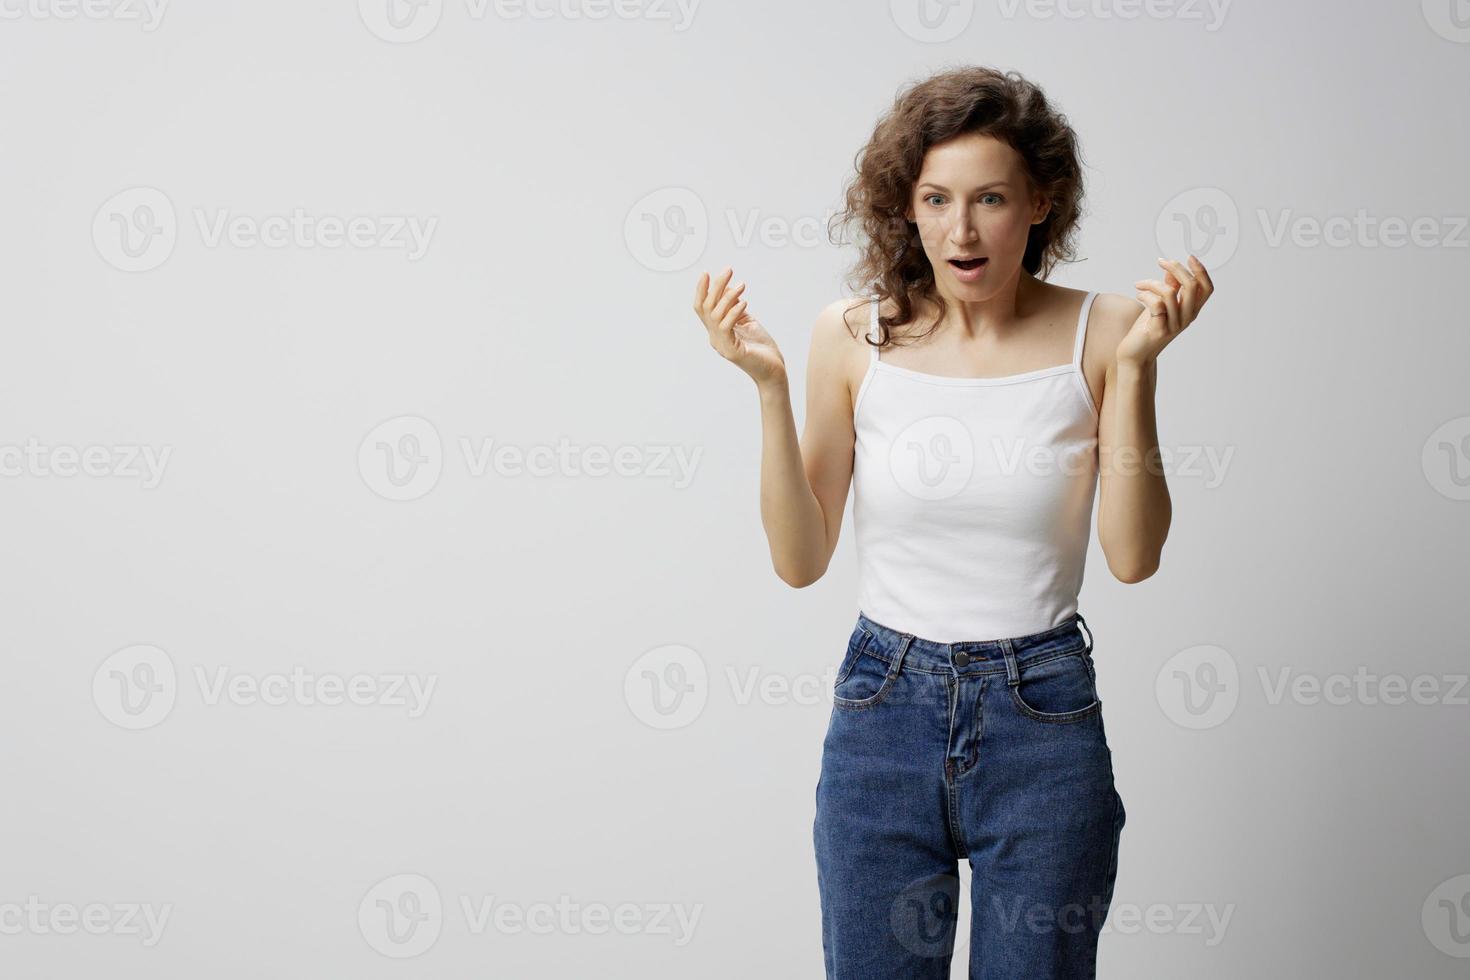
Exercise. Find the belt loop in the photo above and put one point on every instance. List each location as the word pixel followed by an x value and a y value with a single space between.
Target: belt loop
pixel 1082 622
pixel 903 648
pixel 1013 672
pixel 895 668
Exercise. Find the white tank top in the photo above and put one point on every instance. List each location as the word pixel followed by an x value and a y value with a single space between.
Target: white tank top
pixel 973 497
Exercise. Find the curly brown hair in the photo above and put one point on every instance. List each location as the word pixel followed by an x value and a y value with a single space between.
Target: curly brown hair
pixel 955 102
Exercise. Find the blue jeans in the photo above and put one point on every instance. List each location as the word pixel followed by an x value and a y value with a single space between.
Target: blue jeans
pixel 991 750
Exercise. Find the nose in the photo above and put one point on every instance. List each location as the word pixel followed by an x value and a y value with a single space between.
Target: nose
pixel 964 230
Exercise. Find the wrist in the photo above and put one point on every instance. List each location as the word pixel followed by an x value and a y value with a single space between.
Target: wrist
pixel 775 388
pixel 1131 370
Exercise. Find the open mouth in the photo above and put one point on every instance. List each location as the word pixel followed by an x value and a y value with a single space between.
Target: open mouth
pixel 969 270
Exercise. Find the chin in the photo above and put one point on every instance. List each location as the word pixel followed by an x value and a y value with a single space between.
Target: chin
pixel 983 289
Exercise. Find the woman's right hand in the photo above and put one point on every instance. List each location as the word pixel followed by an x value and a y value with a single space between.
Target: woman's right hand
pixel 736 334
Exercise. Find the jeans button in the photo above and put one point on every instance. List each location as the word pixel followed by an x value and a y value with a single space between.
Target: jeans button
pixel 961 659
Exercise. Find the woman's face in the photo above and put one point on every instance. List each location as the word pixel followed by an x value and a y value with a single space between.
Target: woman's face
pixel 973 201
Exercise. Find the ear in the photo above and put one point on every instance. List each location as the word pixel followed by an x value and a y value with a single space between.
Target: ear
pixel 1043 208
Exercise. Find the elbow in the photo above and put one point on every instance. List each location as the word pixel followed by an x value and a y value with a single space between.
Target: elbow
pixel 799 581
pixel 1131 560
pixel 1133 572
pixel 799 578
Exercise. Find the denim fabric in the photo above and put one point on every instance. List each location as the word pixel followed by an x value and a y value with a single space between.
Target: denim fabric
pixel 989 750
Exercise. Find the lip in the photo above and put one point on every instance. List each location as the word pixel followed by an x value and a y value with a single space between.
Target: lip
pixel 968 275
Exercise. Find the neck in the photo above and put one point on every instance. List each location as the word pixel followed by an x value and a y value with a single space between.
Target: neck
pixel 995 313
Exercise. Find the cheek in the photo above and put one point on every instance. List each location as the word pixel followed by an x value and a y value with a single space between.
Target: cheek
pixel 1008 230
pixel 932 231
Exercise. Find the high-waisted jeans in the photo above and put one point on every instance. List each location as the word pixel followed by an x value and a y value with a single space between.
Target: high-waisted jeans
pixel 990 750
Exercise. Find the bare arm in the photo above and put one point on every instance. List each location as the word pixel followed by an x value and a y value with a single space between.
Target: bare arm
pixel 804 484
pixel 1134 509
pixel 801 554
pixel 796 528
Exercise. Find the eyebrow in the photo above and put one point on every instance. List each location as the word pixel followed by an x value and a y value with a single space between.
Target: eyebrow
pixel 986 187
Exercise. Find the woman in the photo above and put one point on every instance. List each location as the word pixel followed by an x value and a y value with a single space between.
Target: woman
pixel 976 417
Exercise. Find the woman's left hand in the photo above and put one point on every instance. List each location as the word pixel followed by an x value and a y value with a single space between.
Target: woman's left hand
pixel 1168 307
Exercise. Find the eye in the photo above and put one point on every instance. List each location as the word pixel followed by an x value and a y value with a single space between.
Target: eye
pixel 929 198
pixel 995 198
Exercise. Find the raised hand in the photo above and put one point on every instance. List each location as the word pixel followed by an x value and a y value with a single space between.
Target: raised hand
pixel 733 332
pixel 1168 307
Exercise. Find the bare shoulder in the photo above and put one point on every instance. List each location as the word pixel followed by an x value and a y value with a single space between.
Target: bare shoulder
pixel 1107 324
pixel 843 321
pixel 1111 316
pixel 839 348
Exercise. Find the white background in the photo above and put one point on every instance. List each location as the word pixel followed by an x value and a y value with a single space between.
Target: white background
pixel 546 308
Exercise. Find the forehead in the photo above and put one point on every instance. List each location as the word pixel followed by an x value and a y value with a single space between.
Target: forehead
pixel 975 158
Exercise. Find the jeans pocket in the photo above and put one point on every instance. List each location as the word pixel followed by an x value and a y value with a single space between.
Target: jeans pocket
pixel 1061 690
pixel 865 677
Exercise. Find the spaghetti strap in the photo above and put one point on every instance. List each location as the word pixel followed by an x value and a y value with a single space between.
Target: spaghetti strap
pixel 1077 371
pixel 1082 330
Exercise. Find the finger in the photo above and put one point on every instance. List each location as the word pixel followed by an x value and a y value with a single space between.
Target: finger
pixel 728 300
pixel 1189 300
pixel 733 317
pixel 1175 266
pixel 1171 305
pixel 1153 304
pixel 1154 286
pixel 717 289
pixel 1203 275
pixel 1176 276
